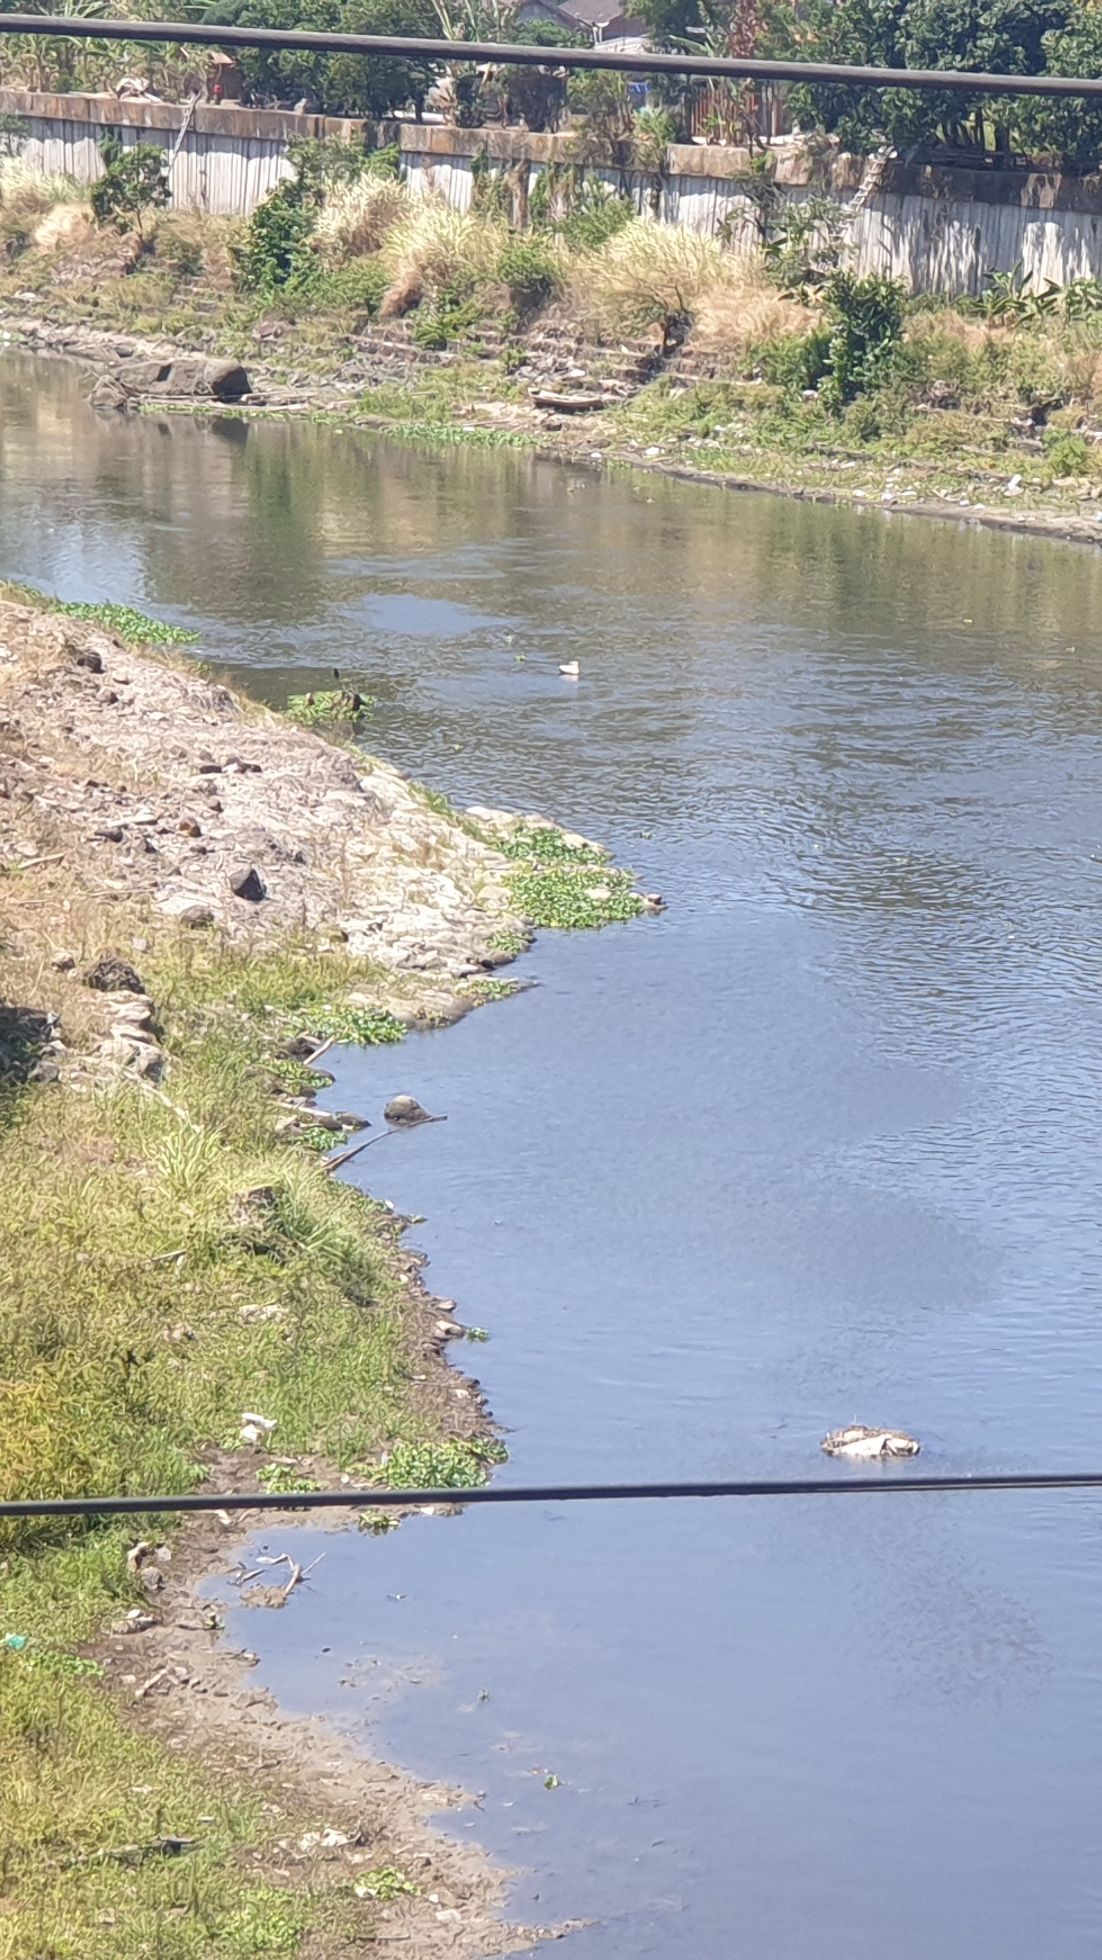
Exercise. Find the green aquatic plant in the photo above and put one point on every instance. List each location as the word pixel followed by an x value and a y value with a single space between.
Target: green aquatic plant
pixel 136 628
pixel 457 1465
pixel 572 887
pixel 317 710
pixel 365 1027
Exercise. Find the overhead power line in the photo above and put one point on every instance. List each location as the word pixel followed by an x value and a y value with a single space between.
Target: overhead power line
pixel 842 1485
pixel 714 67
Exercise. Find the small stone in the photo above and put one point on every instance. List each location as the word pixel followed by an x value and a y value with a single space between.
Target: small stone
pixel 111 976
pixel 196 917
pixel 207 766
pixel 90 660
pixel 63 962
pixel 189 827
pixel 110 834
pixel 245 881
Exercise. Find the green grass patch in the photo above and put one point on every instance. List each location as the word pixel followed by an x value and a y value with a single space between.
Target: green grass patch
pixel 166 1265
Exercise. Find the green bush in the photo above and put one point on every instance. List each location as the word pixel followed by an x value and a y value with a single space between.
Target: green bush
pixel 596 214
pixel 530 272
pixel 275 250
pixel 133 182
pixel 797 362
pixel 357 287
pixel 866 330
pixel 447 316
pixel 1067 454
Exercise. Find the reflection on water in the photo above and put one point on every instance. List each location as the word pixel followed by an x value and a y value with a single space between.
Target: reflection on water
pixel 820 1143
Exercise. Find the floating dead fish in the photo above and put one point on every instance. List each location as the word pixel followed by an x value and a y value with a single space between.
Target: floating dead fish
pixel 857 1441
pixel 570 669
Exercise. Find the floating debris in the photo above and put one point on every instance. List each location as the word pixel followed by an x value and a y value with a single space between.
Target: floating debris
pixel 857 1441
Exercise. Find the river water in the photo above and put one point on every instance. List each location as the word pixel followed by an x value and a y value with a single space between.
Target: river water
pixel 821 1142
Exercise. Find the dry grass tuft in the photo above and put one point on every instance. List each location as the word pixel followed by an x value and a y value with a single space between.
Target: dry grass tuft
pixel 356 218
pixel 435 250
pixel 651 275
pixel 743 311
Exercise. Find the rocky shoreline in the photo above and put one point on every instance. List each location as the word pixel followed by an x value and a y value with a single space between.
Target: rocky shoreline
pixel 130 373
pixel 196 890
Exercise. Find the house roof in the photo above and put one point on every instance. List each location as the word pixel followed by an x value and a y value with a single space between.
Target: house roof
pixel 593 13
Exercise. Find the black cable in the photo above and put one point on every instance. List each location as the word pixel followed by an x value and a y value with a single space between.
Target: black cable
pixel 842 1485
pixel 736 68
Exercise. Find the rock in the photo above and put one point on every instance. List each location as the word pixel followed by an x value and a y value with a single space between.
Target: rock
pixel 111 976
pixel 189 827
pixel 196 917
pixel 88 658
pixel 63 962
pixel 109 393
pixel 207 766
pixel 246 882
pixel 404 1111
pixel 226 380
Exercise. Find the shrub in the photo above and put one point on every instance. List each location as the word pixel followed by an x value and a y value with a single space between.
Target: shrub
pixel 532 272
pixel 866 330
pixel 435 251
pixel 1067 454
pixel 358 287
pixel 596 214
pixel 797 362
pixel 275 250
pixel 134 181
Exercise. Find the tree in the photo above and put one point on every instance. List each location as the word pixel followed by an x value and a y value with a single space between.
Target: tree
pixel 1067 128
pixel 343 84
pixel 537 96
pixel 1004 36
pixel 133 182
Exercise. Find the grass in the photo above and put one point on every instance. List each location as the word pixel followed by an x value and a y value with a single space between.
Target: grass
pixel 136 1233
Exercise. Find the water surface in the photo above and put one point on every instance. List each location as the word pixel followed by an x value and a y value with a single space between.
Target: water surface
pixel 822 1142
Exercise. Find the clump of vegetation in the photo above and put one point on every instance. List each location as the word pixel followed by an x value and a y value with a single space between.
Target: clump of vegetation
pixel 532 271
pixel 284 1479
pixel 456 1465
pixel 571 887
pixel 136 628
pixel 134 182
pixel 327 707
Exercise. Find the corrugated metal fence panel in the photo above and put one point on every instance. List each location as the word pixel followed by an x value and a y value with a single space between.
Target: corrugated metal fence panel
pixel 938 231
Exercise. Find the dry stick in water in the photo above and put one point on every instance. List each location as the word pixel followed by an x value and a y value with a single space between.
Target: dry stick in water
pixel 346 1156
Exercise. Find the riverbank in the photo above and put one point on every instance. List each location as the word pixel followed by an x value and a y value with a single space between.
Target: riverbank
pixel 199 897
pixel 650 350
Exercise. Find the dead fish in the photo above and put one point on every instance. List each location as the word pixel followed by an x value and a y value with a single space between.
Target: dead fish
pixel 857 1441
pixel 570 669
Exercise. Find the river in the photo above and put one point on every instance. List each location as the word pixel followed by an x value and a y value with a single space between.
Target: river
pixel 820 1142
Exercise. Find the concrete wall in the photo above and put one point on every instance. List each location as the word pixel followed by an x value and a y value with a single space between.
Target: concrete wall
pixel 228 162
pixel 938 228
